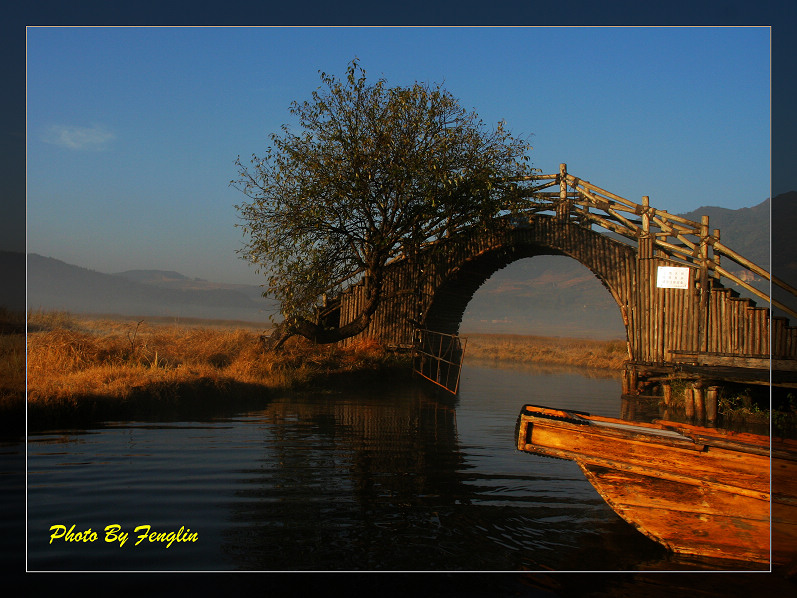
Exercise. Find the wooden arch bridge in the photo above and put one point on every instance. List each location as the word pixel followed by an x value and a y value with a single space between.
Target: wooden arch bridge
pixel 667 274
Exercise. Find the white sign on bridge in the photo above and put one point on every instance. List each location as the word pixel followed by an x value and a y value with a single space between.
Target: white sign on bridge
pixel 669 277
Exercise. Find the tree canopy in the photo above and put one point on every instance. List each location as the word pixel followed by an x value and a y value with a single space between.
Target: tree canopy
pixel 372 173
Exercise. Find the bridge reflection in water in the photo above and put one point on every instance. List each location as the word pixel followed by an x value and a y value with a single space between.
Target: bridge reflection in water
pixel 420 480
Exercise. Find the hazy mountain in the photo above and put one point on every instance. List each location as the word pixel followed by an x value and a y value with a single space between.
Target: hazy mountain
pixel 153 276
pixel 745 230
pixel 548 295
pixel 544 295
pixel 168 279
pixel 56 285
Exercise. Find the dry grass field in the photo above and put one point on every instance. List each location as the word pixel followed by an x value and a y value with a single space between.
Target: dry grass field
pixel 582 353
pixel 82 368
pixel 89 367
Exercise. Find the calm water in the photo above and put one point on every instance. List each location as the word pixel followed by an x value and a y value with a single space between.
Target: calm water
pixel 399 479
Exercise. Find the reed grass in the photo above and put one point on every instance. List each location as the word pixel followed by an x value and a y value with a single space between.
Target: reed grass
pixel 80 364
pixel 573 352
pixel 74 355
pixel 92 366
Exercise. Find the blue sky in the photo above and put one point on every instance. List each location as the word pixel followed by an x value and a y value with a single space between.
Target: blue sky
pixel 132 132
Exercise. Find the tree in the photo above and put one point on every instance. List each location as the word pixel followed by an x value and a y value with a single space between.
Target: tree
pixel 374 172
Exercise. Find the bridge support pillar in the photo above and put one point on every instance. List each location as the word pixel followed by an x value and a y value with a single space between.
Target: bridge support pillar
pixel 700 403
pixel 666 391
pixel 711 403
pixel 689 402
pixel 630 380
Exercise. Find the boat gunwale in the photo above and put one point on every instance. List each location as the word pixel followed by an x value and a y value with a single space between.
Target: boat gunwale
pixel 684 435
pixel 700 468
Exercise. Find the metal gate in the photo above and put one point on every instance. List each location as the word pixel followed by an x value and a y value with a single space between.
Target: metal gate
pixel 438 358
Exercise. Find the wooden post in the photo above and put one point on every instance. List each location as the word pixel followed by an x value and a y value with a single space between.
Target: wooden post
pixel 563 207
pixel 689 402
pixel 630 380
pixel 716 256
pixel 645 215
pixel 645 241
pixel 667 391
pixel 626 408
pixel 646 289
pixel 703 319
pixel 711 403
pixel 700 405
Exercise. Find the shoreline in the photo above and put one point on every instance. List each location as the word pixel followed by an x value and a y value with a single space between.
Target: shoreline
pixel 83 368
pixel 199 398
pixel 582 353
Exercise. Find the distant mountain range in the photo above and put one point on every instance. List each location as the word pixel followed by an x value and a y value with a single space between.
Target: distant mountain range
pixel 56 285
pixel 546 295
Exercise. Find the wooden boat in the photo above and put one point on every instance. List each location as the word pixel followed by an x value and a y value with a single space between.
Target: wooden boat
pixel 698 491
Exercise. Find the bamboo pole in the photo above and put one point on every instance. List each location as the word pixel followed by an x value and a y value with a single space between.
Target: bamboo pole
pixel 670 232
pixel 764 325
pixel 676 249
pixel 609 225
pixel 756 292
pixel 704 304
pixel 632 226
pixel 581 184
pixel 645 215
pixel 664 222
pixel 578 183
pixel 732 255
pixel 563 207
pixel 534 177
pixel 664 215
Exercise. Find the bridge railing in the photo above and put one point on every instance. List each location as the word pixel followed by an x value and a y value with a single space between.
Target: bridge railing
pixel 682 240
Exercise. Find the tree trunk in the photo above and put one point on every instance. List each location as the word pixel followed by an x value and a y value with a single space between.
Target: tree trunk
pixel 321 335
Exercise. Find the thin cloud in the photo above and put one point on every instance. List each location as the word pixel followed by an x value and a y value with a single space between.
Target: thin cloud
pixel 95 137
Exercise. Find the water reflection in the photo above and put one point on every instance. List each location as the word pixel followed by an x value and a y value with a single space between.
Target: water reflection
pixel 397 477
pixel 396 484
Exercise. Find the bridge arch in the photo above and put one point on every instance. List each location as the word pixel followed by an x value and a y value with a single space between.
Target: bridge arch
pixel 697 322
pixel 608 260
pixel 434 290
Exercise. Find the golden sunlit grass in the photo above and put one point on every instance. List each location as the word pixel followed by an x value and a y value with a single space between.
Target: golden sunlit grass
pixel 78 363
pixel 585 353
pixel 67 355
pixel 90 366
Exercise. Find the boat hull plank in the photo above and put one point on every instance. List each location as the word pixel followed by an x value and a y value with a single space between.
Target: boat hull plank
pixel 697 491
pixel 688 463
pixel 688 519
